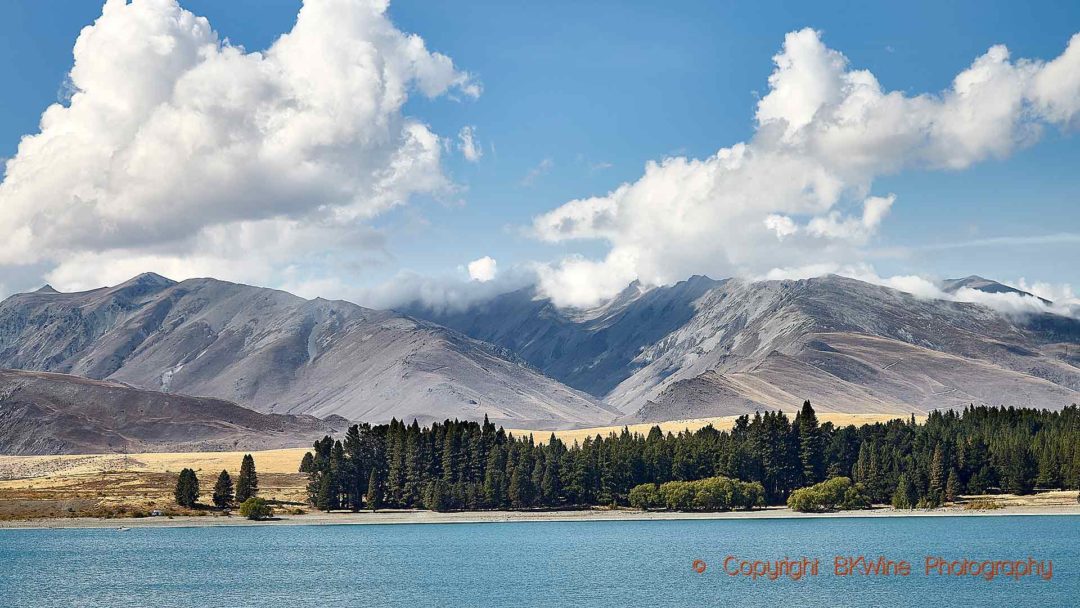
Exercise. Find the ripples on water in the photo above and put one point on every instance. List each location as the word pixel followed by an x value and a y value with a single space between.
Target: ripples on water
pixel 618 564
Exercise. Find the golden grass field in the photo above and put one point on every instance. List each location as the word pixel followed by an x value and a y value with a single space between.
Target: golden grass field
pixel 108 485
pixel 721 423
pixel 121 485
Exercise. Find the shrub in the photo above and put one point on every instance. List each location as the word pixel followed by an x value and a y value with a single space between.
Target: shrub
pixel 855 497
pixel 713 494
pixel 753 495
pixel 829 495
pixel 710 494
pixel 982 505
pixel 256 508
pixel 645 496
pixel 677 495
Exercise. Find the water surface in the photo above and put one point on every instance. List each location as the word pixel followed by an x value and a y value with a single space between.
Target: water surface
pixel 617 564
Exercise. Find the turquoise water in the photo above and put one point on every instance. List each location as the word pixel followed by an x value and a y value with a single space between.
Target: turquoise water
pixel 616 564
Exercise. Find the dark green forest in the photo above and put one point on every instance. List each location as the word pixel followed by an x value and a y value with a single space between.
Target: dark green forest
pixel 458 465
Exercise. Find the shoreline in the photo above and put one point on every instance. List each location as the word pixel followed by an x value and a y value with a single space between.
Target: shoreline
pixel 492 517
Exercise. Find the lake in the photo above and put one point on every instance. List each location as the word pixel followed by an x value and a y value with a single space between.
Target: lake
pixel 618 564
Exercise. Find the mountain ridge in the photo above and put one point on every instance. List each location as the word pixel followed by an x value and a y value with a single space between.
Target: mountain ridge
pixel 591 349
pixel 746 346
pixel 48 413
pixel 276 352
pixel 698 348
pixel 985 285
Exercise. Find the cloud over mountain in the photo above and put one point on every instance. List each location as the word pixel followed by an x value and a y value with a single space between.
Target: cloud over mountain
pixel 181 152
pixel 798 194
pixel 483 269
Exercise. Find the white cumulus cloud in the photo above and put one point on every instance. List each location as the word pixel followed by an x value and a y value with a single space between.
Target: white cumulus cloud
pixel 441 293
pixel 483 269
pixel 1058 293
pixel 182 153
pixel 799 193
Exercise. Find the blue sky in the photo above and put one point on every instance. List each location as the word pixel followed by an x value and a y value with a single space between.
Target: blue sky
pixel 584 94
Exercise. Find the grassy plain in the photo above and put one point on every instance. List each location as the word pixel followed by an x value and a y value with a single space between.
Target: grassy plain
pixel 721 423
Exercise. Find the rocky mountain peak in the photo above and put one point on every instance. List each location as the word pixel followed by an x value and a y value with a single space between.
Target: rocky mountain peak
pixel 148 279
pixel 983 284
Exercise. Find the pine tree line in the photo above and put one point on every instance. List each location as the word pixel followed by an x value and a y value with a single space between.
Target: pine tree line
pixel 247 486
pixel 467 465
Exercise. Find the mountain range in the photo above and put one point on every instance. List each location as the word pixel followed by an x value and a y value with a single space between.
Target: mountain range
pixel 278 353
pixel 709 348
pixel 698 348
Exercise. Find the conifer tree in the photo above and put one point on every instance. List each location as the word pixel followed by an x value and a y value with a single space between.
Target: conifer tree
pixel 952 486
pixel 521 490
pixel 414 466
pixel 905 496
pixel 307 464
pixel 494 488
pixel 841 452
pixel 937 477
pixel 395 462
pixel 247 484
pixel 550 485
pixel 451 457
pixel 327 499
pixel 873 476
pixel 354 468
pixel 436 499
pixel 861 472
pixel 1020 470
pixel 539 463
pixel 223 490
pixel 811 450
pixel 187 488
pixel 374 496
pixel 338 474
pixel 775 447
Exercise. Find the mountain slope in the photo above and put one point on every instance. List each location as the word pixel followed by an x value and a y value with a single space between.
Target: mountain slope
pixel 852 346
pixel 592 350
pixel 733 347
pixel 45 413
pixel 276 352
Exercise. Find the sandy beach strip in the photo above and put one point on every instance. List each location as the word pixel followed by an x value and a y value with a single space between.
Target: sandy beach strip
pixel 391 517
